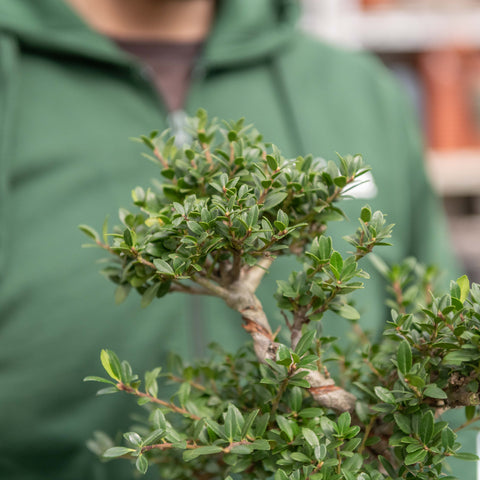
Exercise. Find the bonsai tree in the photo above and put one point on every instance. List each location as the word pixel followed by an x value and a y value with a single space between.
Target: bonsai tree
pixel 227 207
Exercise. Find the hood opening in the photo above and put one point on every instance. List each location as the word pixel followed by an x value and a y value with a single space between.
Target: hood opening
pixel 244 30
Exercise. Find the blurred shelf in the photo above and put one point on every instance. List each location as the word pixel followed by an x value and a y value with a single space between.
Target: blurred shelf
pixel 456 172
pixel 397 30
pixel 464 234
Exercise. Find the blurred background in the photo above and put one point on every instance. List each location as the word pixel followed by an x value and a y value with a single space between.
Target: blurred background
pixel 433 47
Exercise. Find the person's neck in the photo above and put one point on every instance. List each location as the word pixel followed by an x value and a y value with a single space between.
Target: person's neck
pixel 166 20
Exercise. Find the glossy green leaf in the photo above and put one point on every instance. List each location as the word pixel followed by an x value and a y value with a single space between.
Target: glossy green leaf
pixel 189 455
pixel 415 457
pixel 433 391
pixel 336 264
pixel 141 464
pixel 310 437
pixel 89 231
pixel 163 267
pixel 285 426
pixel 305 342
pixel 117 452
pixel 111 364
pixel 464 285
pixel 426 427
pixel 404 357
pixel 92 378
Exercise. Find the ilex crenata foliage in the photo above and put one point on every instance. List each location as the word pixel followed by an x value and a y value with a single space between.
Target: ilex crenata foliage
pixel 225 207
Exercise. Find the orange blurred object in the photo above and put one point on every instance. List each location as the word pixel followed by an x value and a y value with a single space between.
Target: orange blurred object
pixel 452 98
pixel 368 4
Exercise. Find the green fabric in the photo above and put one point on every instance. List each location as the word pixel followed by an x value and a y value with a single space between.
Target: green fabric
pixel 69 102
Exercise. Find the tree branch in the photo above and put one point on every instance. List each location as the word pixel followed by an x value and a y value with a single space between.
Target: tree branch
pixel 180 287
pixel 254 275
pixel 212 287
pixel 134 391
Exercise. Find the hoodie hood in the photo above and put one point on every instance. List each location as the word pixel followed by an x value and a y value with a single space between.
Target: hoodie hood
pixel 244 31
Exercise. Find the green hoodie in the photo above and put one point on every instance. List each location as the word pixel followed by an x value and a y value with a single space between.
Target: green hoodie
pixel 69 102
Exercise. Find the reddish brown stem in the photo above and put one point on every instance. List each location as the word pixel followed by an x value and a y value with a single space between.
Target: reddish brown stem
pixel 134 391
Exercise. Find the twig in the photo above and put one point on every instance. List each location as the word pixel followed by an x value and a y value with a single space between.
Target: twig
pixel 179 287
pixel 212 287
pixel 160 157
pixel 368 429
pixel 191 382
pixel 467 423
pixel 134 391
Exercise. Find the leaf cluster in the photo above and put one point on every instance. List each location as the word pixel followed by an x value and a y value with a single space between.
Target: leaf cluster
pixel 226 203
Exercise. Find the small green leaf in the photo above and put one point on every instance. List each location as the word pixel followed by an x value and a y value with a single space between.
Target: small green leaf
pixel 296 397
pixel 189 455
pixel 233 422
pixel 133 438
pixel 154 437
pixel 305 342
pixel 280 475
pixel 366 214
pixel 261 424
pixel 184 393
pixel 448 438
pixel 272 162
pixel 426 427
pixel 404 357
pixel 464 285
pixel 242 449
pixel 163 267
pixel 149 294
pixel 121 293
pixel 388 466
pixel 148 142
pixel 92 378
pixel 142 464
pixel 300 457
pixel 219 430
pixel 261 444
pixel 128 237
pixel 285 426
pixel 158 419
pixel 403 422
pixel 248 423
pixel 300 383
pixel 117 452
pixel 433 391
pixel 340 181
pixel 470 412
pixel 336 264
pixel 105 230
pixel 107 391
pixel 466 456
pixel 310 437
pixel 343 422
pixel 348 312
pixel 111 364
pixel 90 232
pixel 384 395
pixel 311 412
pixel 273 199
pixel 415 457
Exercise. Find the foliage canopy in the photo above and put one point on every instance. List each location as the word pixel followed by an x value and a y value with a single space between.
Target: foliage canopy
pixel 227 206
